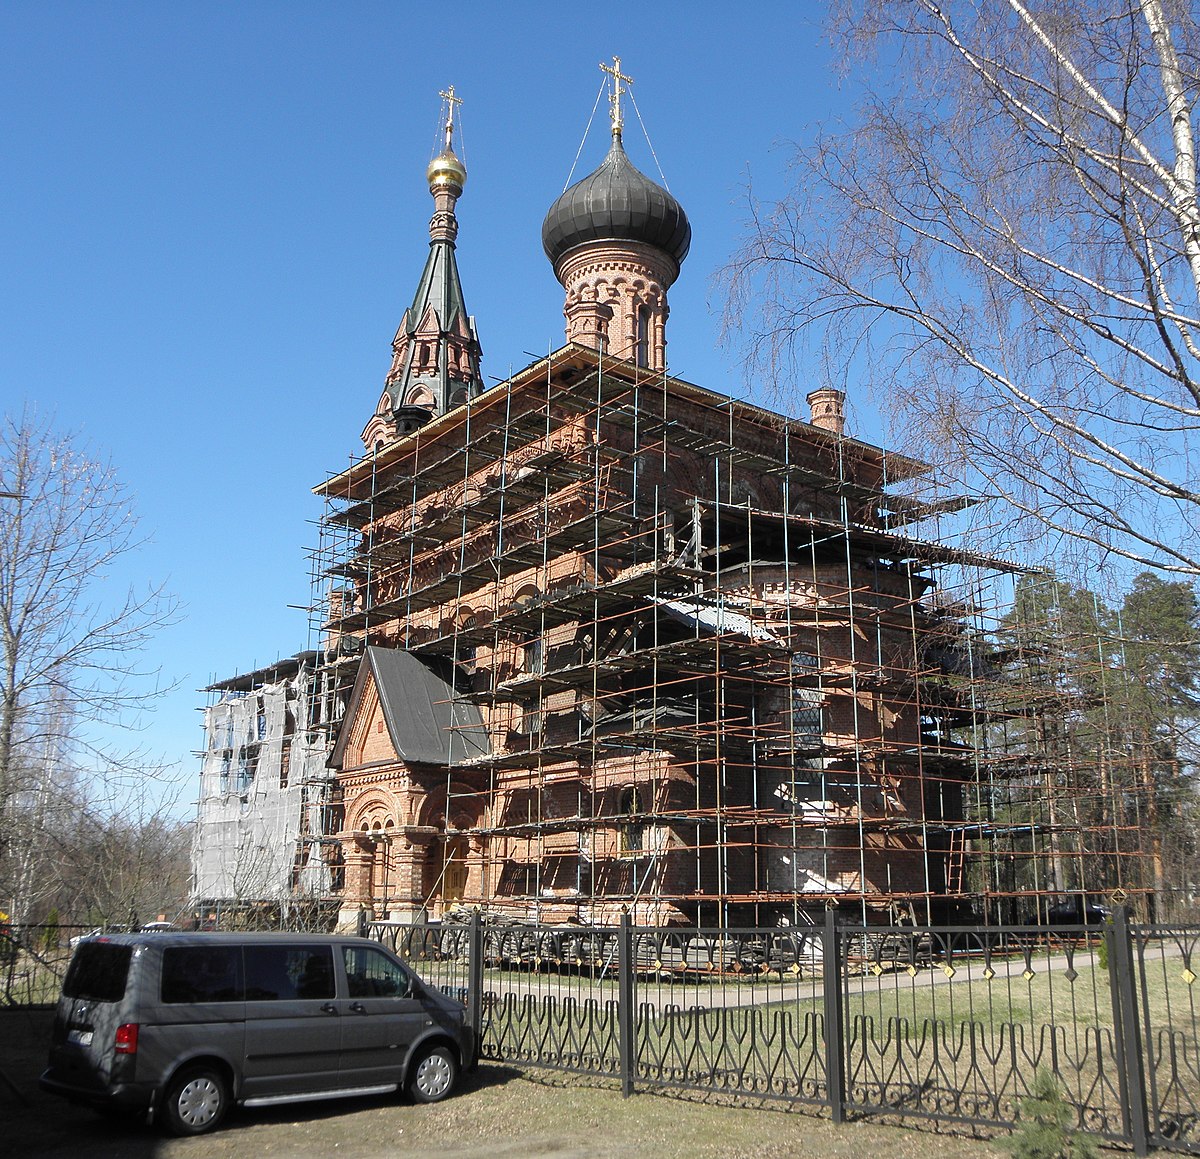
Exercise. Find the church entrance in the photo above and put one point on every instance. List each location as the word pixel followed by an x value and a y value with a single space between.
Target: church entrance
pixel 448 864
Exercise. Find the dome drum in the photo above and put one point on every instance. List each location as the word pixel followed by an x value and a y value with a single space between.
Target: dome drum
pixel 616 299
pixel 616 241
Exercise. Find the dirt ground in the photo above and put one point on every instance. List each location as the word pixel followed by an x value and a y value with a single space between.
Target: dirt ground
pixel 498 1113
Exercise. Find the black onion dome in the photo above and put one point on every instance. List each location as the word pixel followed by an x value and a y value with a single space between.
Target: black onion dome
pixel 616 203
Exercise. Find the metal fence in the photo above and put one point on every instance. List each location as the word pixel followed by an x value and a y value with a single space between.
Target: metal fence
pixel 947 1024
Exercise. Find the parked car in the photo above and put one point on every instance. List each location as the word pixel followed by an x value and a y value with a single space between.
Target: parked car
pixel 184 1024
pixel 1076 911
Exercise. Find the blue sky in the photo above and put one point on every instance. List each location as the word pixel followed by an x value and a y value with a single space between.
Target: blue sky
pixel 213 216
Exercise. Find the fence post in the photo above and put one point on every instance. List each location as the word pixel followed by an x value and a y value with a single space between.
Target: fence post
pixel 475 980
pixel 835 1050
pixel 626 997
pixel 1128 1040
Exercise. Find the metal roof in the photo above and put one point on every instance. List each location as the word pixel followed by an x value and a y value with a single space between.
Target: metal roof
pixel 426 719
pixel 616 202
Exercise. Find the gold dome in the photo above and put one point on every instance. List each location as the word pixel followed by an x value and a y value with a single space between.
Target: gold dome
pixel 446 169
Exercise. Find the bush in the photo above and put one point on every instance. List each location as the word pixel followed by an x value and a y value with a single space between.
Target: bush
pixel 1045 1131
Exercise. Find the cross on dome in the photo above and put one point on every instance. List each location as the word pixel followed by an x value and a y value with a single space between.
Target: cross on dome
pixel 451 101
pixel 616 91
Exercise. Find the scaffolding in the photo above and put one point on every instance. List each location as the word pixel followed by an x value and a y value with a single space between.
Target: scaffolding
pixel 720 679
pixel 266 811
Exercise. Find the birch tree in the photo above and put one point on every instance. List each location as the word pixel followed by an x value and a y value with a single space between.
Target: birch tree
pixel 1008 240
pixel 70 640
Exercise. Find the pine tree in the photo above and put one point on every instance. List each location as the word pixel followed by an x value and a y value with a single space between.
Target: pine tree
pixel 1046 1126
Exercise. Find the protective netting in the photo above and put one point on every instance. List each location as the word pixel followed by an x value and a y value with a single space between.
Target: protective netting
pixel 264 792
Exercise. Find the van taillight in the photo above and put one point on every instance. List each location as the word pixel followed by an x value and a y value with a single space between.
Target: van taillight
pixel 126 1039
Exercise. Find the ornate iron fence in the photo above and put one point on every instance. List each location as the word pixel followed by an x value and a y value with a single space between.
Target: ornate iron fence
pixel 947 1024
pixel 1165 1082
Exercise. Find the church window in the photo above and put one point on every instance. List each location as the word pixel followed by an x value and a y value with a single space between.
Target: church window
pixel 533 657
pixel 247 767
pixel 633 829
pixel 642 338
pixel 806 699
pixel 518 879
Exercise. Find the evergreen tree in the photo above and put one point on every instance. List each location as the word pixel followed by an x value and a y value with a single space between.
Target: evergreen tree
pixel 1046 1125
pixel 1160 654
pixel 1094 735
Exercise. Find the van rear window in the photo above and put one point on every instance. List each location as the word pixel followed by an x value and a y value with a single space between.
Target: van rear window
pixel 202 974
pixel 98 972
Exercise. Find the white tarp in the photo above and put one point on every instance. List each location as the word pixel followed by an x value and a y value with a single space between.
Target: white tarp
pixel 258 817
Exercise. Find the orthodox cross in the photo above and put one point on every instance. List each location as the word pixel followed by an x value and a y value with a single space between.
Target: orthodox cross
pixel 451 100
pixel 614 97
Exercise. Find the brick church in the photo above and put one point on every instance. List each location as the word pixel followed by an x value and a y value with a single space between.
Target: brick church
pixel 604 639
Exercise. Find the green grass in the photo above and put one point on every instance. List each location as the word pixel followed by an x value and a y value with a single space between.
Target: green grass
pixel 965 1041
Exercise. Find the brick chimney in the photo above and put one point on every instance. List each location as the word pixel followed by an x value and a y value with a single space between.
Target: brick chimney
pixel 828 409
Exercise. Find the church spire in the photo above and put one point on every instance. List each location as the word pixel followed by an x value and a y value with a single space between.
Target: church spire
pixel 436 352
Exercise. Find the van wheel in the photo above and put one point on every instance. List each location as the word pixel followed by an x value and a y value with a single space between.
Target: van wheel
pixel 196 1101
pixel 433 1076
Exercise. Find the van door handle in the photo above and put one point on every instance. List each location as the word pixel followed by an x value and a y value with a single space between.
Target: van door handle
pixel 329 1008
pixel 358 1008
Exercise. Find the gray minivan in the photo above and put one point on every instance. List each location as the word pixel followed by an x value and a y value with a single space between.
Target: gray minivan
pixel 181 1025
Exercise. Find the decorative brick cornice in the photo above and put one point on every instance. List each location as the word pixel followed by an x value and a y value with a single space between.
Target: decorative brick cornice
pixel 630 257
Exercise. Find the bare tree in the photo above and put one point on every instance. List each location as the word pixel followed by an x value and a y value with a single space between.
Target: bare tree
pixel 1008 240
pixel 69 643
pixel 138 863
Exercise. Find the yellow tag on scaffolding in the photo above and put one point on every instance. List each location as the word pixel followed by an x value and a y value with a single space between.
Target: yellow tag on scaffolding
pixel 1027 974
pixel 988 974
pixel 911 970
pixel 949 970
pixel 1188 976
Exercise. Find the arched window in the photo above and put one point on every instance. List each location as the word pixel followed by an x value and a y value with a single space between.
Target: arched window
pixel 642 337
pixel 534 656
pixel 633 827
